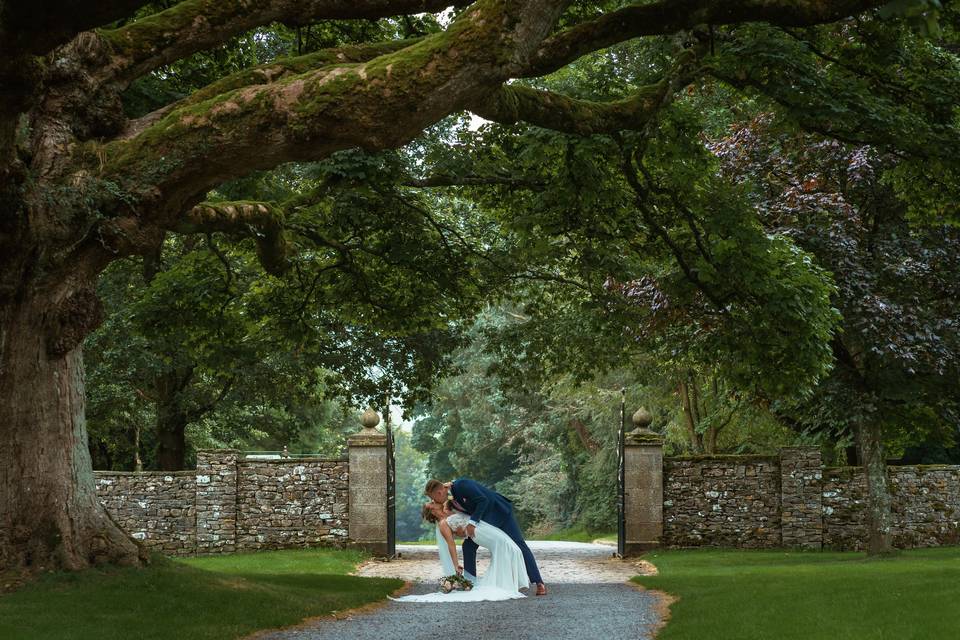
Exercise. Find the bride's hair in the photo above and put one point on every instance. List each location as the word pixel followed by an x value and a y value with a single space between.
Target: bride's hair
pixel 428 514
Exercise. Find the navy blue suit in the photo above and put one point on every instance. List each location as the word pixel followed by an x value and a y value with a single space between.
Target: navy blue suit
pixel 488 506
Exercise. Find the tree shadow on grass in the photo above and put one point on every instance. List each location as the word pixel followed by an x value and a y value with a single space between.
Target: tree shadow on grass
pixel 173 600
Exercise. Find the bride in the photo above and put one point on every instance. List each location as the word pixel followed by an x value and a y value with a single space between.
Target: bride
pixel 502 580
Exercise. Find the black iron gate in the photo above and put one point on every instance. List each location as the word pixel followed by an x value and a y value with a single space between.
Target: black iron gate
pixel 391 489
pixel 621 489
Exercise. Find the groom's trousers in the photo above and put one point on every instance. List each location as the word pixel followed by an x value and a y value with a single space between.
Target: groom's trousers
pixel 512 529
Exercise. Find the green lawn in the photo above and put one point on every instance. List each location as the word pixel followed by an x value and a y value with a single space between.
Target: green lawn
pixel 784 595
pixel 580 534
pixel 211 598
pixel 572 534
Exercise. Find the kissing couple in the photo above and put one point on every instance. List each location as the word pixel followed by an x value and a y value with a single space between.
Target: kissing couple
pixel 481 517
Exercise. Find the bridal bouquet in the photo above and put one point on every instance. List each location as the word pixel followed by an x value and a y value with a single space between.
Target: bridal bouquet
pixel 456 582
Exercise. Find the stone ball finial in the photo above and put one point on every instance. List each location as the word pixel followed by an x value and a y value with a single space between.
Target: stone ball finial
pixel 370 418
pixel 642 418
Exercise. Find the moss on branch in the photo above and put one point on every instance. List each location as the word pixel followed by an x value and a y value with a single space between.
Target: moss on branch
pixel 262 221
pixel 378 104
pixel 195 25
pixel 670 16
pixel 561 113
pixel 274 71
pixel 168 165
pixel 286 67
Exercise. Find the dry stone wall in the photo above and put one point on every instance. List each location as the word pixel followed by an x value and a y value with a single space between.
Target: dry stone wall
pixel 231 504
pixel 926 506
pixel 792 501
pixel 801 500
pixel 156 508
pixel 721 501
pixel 292 504
pixel 217 501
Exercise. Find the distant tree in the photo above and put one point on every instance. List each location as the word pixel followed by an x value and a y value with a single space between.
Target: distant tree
pixel 469 427
pixel 897 350
pixel 549 443
pixel 411 480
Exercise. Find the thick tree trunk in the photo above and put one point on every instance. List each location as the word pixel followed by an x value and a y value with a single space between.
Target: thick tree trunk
pixel 172 418
pixel 710 442
pixel 696 440
pixel 879 513
pixel 171 438
pixel 584 434
pixel 714 431
pixel 49 513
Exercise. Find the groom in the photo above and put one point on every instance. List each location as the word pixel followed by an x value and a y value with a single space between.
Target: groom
pixel 480 503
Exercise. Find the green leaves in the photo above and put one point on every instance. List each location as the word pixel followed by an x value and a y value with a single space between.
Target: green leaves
pixel 897 345
pixel 921 15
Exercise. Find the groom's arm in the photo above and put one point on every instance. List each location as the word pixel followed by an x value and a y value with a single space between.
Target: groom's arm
pixel 473 491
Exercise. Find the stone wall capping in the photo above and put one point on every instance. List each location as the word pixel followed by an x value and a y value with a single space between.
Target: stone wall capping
pixel 146 474
pixel 255 461
pixel 374 439
pixel 643 437
pixel 920 468
pixel 723 457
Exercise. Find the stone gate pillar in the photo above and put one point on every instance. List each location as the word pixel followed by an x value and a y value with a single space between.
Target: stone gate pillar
pixel 217 500
pixel 643 486
pixel 368 486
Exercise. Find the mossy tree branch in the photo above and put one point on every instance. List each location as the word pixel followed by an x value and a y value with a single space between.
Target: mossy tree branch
pixel 671 16
pixel 382 103
pixel 195 25
pixel 275 71
pixel 551 110
pixel 262 221
pixel 585 117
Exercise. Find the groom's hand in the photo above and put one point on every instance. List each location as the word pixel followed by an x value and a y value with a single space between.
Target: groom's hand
pixel 471 530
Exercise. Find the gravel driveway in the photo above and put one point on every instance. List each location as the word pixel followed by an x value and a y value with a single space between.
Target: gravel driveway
pixel 588 599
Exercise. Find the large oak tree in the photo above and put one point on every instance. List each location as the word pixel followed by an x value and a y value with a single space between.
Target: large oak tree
pixel 82 185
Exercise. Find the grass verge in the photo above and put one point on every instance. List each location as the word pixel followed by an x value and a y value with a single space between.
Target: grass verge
pixel 747 595
pixel 210 598
pixel 580 534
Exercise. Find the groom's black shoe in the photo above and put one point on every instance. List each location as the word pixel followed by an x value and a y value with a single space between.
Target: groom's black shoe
pixel 541 589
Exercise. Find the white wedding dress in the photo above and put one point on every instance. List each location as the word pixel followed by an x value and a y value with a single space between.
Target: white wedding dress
pixel 502 580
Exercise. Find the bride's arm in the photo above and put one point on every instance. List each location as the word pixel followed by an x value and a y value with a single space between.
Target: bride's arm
pixel 451 544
